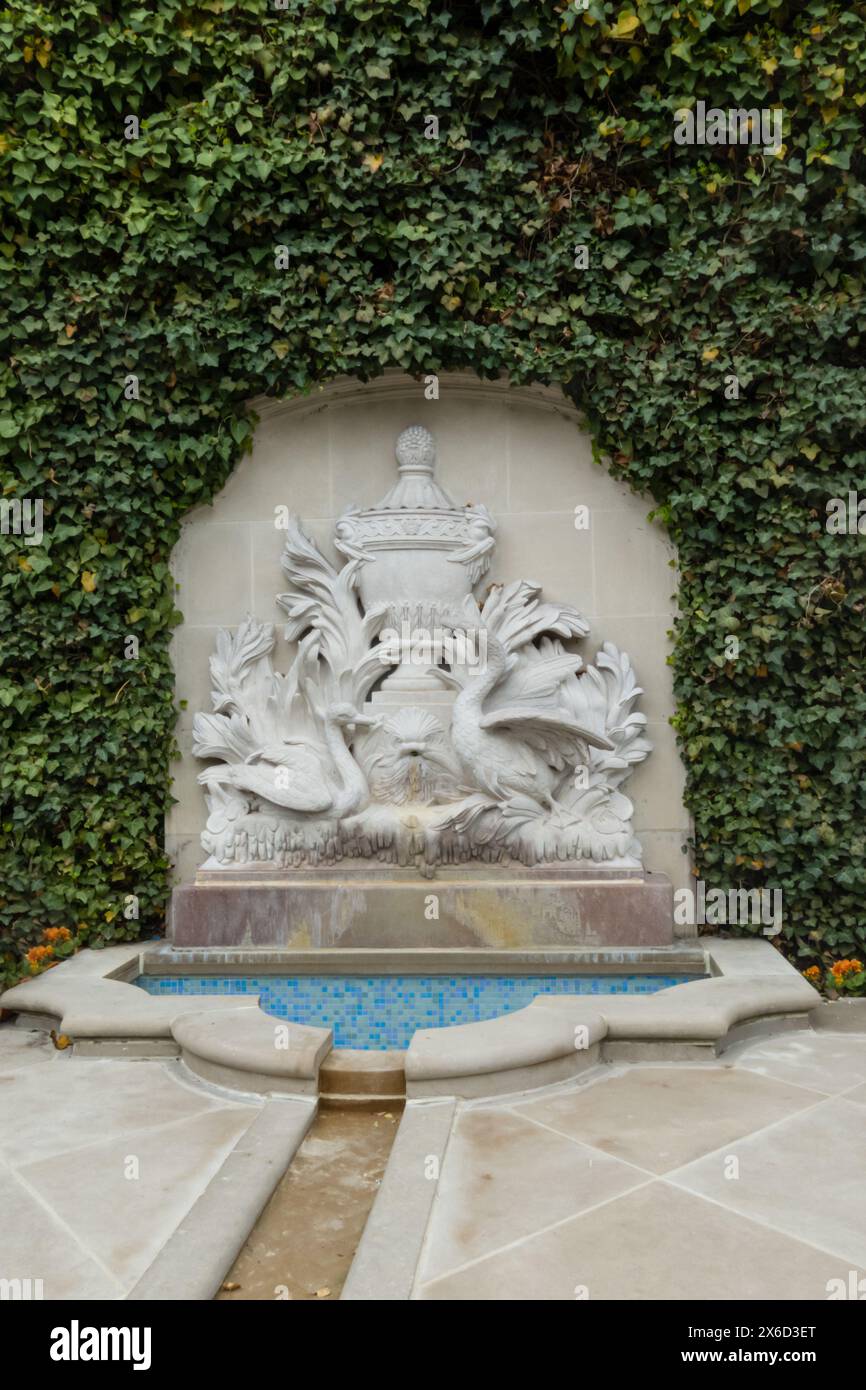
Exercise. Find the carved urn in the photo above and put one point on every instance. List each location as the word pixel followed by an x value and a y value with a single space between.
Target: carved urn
pixel 422 556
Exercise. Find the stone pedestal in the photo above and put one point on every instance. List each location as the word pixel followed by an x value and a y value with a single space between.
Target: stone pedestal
pixel 389 907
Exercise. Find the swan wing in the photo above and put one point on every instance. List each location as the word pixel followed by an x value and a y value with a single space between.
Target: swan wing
pixel 551 733
pixel 294 788
pixel 534 679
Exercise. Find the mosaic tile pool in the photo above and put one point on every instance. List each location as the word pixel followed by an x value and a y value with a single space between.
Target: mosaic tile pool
pixel 376 1012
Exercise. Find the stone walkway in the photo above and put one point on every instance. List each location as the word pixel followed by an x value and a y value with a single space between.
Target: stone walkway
pixel 100 1161
pixel 741 1179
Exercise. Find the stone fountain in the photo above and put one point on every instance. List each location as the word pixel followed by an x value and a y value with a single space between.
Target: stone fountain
pixel 436 767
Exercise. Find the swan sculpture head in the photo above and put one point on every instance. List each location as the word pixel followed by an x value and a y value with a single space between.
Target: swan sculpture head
pixel 346 716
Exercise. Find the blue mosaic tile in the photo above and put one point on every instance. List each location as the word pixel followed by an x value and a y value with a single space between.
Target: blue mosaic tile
pixel 378 1013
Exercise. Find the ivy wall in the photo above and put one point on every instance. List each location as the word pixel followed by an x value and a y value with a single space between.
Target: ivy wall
pixel 711 330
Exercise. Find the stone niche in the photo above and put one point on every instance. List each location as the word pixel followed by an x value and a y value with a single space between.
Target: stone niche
pixel 580 541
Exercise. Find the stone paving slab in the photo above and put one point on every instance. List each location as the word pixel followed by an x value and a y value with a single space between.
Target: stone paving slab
pixel 22 1047
pixel 745 1181
pixel 35 1244
pixel 662 1117
pixel 804 1176
pixel 505 1177
pixel 77 1103
pixel 69 1130
pixel 655 1243
pixel 826 1062
pixel 121 1198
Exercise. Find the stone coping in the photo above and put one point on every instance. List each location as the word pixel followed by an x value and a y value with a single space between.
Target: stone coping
pixel 384 1265
pixel 196 1258
pixel 238 1046
pixel 231 1043
pixel 679 959
pixel 359 872
pixel 249 1046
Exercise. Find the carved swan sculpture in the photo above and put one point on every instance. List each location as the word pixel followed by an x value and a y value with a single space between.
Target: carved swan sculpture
pixel 297 776
pixel 516 750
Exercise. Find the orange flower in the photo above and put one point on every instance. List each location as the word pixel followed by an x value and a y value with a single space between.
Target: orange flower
pixel 57 934
pixel 37 954
pixel 813 974
pixel 845 967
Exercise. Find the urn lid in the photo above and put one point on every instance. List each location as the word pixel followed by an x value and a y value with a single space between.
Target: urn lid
pixel 416 487
pixel 417 514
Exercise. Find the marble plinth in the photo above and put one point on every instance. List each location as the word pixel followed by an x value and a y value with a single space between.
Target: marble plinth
pixel 391 908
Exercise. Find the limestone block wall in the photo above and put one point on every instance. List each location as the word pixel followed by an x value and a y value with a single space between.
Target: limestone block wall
pixel 520 451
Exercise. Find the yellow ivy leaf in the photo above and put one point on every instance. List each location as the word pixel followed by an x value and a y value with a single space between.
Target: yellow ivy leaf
pixel 709 354
pixel 450 302
pixel 860 98
pixel 71 329
pixel 372 162
pixel 769 65
pixel 711 186
pixel 88 581
pixel 810 451
pixel 28 54
pixel 24 564
pixel 42 56
pixel 743 5
pixel 625 25
pixel 279 349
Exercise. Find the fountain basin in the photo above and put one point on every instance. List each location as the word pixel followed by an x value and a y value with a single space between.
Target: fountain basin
pixel 382 1012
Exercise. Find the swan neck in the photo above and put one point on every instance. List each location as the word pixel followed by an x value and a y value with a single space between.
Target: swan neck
pixel 481 688
pixel 351 775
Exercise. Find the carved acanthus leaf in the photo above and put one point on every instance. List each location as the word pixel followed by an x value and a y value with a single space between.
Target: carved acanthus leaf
pixel 516 615
pixel 243 691
pixel 602 698
pixel 325 600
